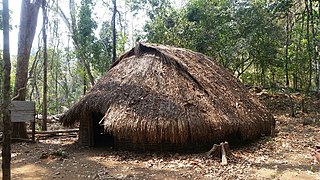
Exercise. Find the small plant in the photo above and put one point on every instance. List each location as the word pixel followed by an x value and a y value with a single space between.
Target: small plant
pixel 60 153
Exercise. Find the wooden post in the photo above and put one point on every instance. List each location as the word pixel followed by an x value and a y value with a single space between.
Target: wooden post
pixel 224 155
pixel 220 151
pixel 33 123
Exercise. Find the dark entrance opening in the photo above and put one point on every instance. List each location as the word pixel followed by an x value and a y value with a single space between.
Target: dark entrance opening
pixel 100 137
pixel 235 139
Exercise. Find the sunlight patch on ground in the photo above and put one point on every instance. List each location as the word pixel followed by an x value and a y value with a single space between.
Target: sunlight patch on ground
pixel 29 172
pixel 133 168
pixel 286 174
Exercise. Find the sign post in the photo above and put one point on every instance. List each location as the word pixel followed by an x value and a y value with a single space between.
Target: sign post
pixel 24 111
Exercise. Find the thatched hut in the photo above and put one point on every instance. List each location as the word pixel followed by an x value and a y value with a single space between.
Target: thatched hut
pixel 158 97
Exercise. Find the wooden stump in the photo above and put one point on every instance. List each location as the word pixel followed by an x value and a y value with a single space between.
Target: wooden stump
pixel 220 151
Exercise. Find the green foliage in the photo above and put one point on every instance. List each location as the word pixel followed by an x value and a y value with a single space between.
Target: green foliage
pixel 97 51
pixel 153 8
pixel 85 33
pixel 236 34
pixel 86 27
pixel 247 37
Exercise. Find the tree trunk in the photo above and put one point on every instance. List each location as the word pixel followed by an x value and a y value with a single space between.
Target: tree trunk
pixel 263 77
pixel 6 148
pixel 87 69
pixel 28 24
pixel 114 32
pixel 287 49
pixel 45 67
pixel 314 53
pixel 84 83
pixel 308 46
pixel 318 63
pixel 297 53
pixel 301 36
pixel 54 71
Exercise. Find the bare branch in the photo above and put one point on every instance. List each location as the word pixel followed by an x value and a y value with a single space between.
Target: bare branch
pixel 64 18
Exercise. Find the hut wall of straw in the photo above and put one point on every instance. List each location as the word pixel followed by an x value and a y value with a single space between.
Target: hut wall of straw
pixel 158 97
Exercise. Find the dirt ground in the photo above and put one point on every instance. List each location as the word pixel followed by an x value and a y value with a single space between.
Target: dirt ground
pixel 285 156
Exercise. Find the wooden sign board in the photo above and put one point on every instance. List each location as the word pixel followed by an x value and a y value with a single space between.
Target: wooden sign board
pixel 22 111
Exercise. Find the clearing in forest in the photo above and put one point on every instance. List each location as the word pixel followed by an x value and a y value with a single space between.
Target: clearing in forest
pixel 285 156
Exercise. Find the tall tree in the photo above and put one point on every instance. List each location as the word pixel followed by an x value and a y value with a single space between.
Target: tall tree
pixel 45 66
pixel 114 31
pixel 287 47
pixel 83 40
pixel 6 148
pixel 27 28
pixel 308 45
pixel 314 53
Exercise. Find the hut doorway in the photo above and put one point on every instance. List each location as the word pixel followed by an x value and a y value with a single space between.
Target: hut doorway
pixel 100 137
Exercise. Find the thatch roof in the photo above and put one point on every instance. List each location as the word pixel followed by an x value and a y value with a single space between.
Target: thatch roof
pixel 166 97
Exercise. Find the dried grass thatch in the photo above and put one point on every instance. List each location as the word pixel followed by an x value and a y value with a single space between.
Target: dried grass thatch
pixel 166 98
